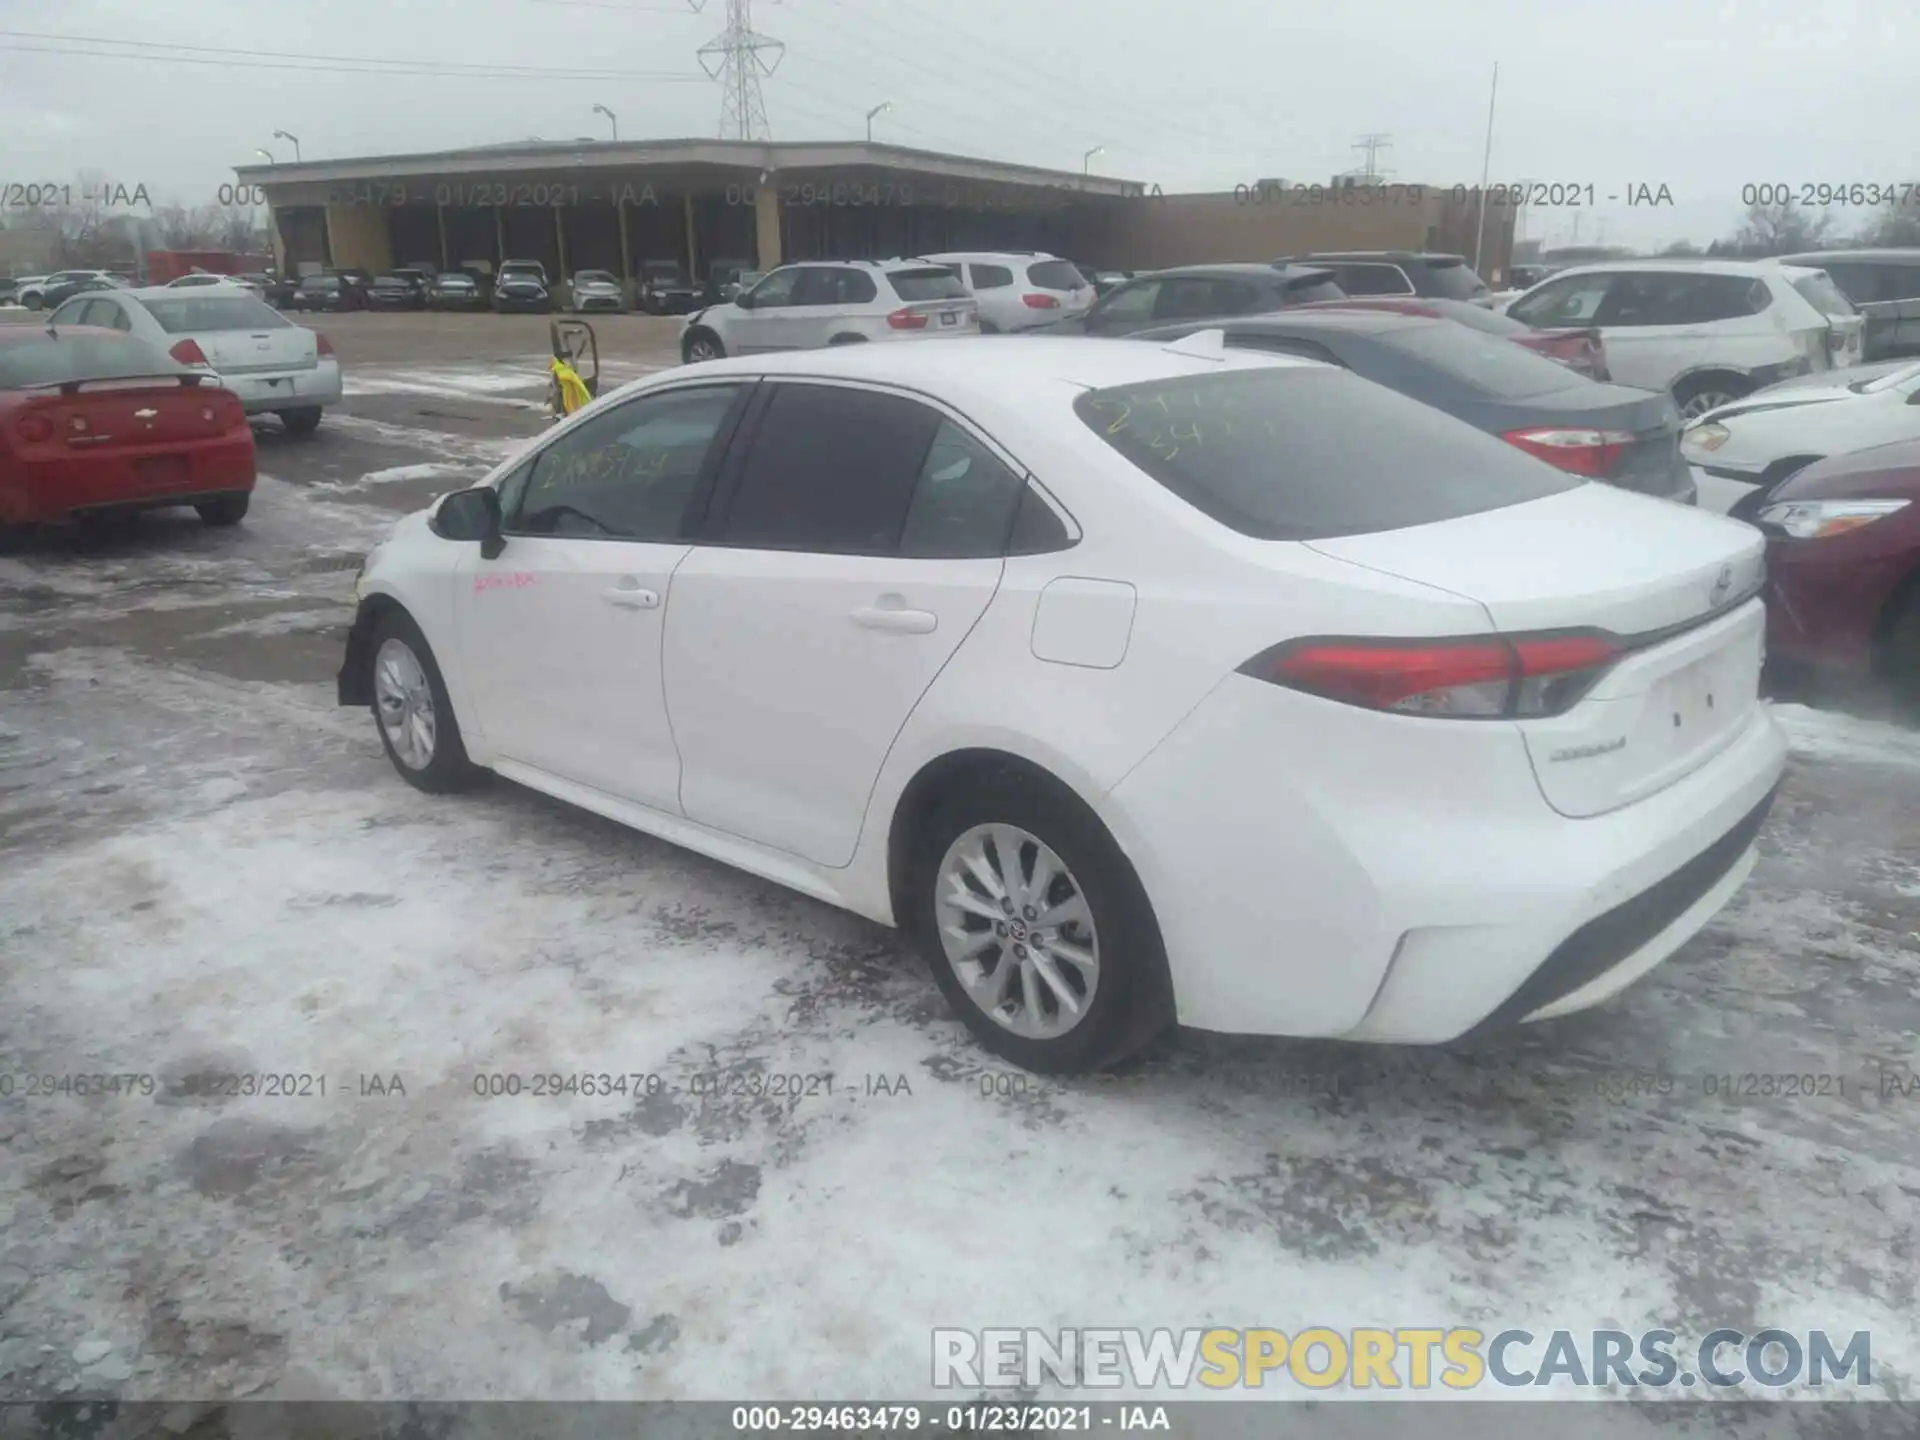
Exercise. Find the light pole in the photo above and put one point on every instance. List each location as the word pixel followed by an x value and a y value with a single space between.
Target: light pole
pixel 1086 160
pixel 262 150
pixel 612 119
pixel 283 135
pixel 880 109
pixel 1486 169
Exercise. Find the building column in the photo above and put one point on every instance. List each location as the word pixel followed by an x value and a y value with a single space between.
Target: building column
pixel 693 246
pixel 499 239
pixel 560 244
pixel 275 242
pixel 626 246
pixel 440 223
pixel 766 226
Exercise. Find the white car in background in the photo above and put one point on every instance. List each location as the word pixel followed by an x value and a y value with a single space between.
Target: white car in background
pixel 201 280
pixel 273 365
pixel 1706 331
pixel 1138 683
pixel 833 302
pixel 1774 432
pixel 1020 291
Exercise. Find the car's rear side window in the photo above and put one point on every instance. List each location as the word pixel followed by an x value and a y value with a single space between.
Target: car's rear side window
pixel 1056 275
pixel 1819 291
pixel 929 284
pixel 43 360
pixel 197 314
pixel 1307 453
pixel 1453 280
pixel 803 486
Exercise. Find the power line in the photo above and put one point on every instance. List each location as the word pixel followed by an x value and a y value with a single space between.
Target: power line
pixel 366 64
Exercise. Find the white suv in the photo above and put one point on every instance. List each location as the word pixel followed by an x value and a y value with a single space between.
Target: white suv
pixel 1707 331
pixel 1021 291
pixel 833 302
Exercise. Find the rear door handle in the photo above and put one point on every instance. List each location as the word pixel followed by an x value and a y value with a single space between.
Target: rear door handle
pixel 896 618
pixel 629 597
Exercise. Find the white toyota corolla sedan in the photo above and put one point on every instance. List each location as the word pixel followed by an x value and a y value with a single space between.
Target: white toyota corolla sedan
pixel 1137 683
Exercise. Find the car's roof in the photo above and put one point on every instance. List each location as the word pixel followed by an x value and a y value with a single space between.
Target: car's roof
pixel 968 255
pixel 994 362
pixel 20 334
pixel 1814 259
pixel 1367 321
pixel 1697 264
pixel 1308 257
pixel 1245 270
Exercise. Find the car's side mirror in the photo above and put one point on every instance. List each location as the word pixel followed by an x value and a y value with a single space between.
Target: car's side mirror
pixel 1914 398
pixel 472 515
pixel 743 298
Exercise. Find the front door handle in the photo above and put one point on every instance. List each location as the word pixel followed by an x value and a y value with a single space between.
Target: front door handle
pixel 897 618
pixel 632 597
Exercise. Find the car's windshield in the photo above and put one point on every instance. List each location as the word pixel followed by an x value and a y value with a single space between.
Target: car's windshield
pixel 597 277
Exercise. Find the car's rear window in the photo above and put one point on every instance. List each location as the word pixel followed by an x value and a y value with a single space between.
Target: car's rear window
pixel 1819 291
pixel 196 314
pixel 1454 280
pixel 1480 363
pixel 44 360
pixel 1056 275
pixel 1308 288
pixel 928 284
pixel 1307 453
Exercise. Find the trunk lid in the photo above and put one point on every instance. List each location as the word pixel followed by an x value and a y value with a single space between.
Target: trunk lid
pixel 131 416
pixel 1678 586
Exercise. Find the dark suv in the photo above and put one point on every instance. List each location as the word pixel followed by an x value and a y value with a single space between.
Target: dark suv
pixel 1199 292
pixel 1884 286
pixel 1399 272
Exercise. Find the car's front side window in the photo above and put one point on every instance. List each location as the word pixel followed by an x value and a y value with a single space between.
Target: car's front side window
pixel 625 474
pixel 1570 300
pixel 776 290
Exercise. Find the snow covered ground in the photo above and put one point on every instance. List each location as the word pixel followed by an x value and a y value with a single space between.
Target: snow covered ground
pixel 208 871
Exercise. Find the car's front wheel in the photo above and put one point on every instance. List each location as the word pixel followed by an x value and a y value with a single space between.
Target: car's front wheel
pixel 1697 396
pixel 1037 930
pixel 412 711
pixel 703 345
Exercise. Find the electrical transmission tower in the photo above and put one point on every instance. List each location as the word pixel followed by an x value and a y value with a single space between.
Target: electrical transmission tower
pixel 1372 144
pixel 737 58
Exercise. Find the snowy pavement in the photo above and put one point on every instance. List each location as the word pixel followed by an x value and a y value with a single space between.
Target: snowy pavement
pixel 212 884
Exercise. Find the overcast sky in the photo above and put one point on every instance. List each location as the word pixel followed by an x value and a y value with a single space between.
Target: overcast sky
pixel 1702 96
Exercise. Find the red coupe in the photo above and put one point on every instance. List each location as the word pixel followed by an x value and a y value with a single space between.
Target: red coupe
pixel 93 421
pixel 1843 564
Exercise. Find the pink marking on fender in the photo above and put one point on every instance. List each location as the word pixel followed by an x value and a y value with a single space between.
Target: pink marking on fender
pixel 514 580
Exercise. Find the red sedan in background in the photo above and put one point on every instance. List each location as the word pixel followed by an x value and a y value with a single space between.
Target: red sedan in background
pixel 1843 564
pixel 1579 350
pixel 94 421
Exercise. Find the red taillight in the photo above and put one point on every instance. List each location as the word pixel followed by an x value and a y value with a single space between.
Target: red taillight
pixel 188 352
pixel 1593 453
pixel 321 345
pixel 1040 302
pixel 1484 677
pixel 907 320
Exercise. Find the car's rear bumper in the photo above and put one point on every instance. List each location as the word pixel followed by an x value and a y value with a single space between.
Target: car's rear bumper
pixel 198 470
pixel 265 393
pixel 1319 869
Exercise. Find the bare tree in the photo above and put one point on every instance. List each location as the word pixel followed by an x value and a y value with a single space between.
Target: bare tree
pixel 1681 247
pixel 1781 229
pixel 1895 228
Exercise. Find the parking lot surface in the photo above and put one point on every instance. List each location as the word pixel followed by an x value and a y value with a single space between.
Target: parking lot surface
pixel 483 1097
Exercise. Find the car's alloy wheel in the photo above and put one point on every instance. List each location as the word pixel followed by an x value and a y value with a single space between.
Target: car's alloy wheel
pixel 701 348
pixel 1018 931
pixel 1702 401
pixel 403 701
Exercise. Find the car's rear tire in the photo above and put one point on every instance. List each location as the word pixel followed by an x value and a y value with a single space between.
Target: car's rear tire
pixel 301 422
pixel 993 858
pixel 224 510
pixel 702 345
pixel 1700 393
pixel 987 327
pixel 848 340
pixel 411 709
